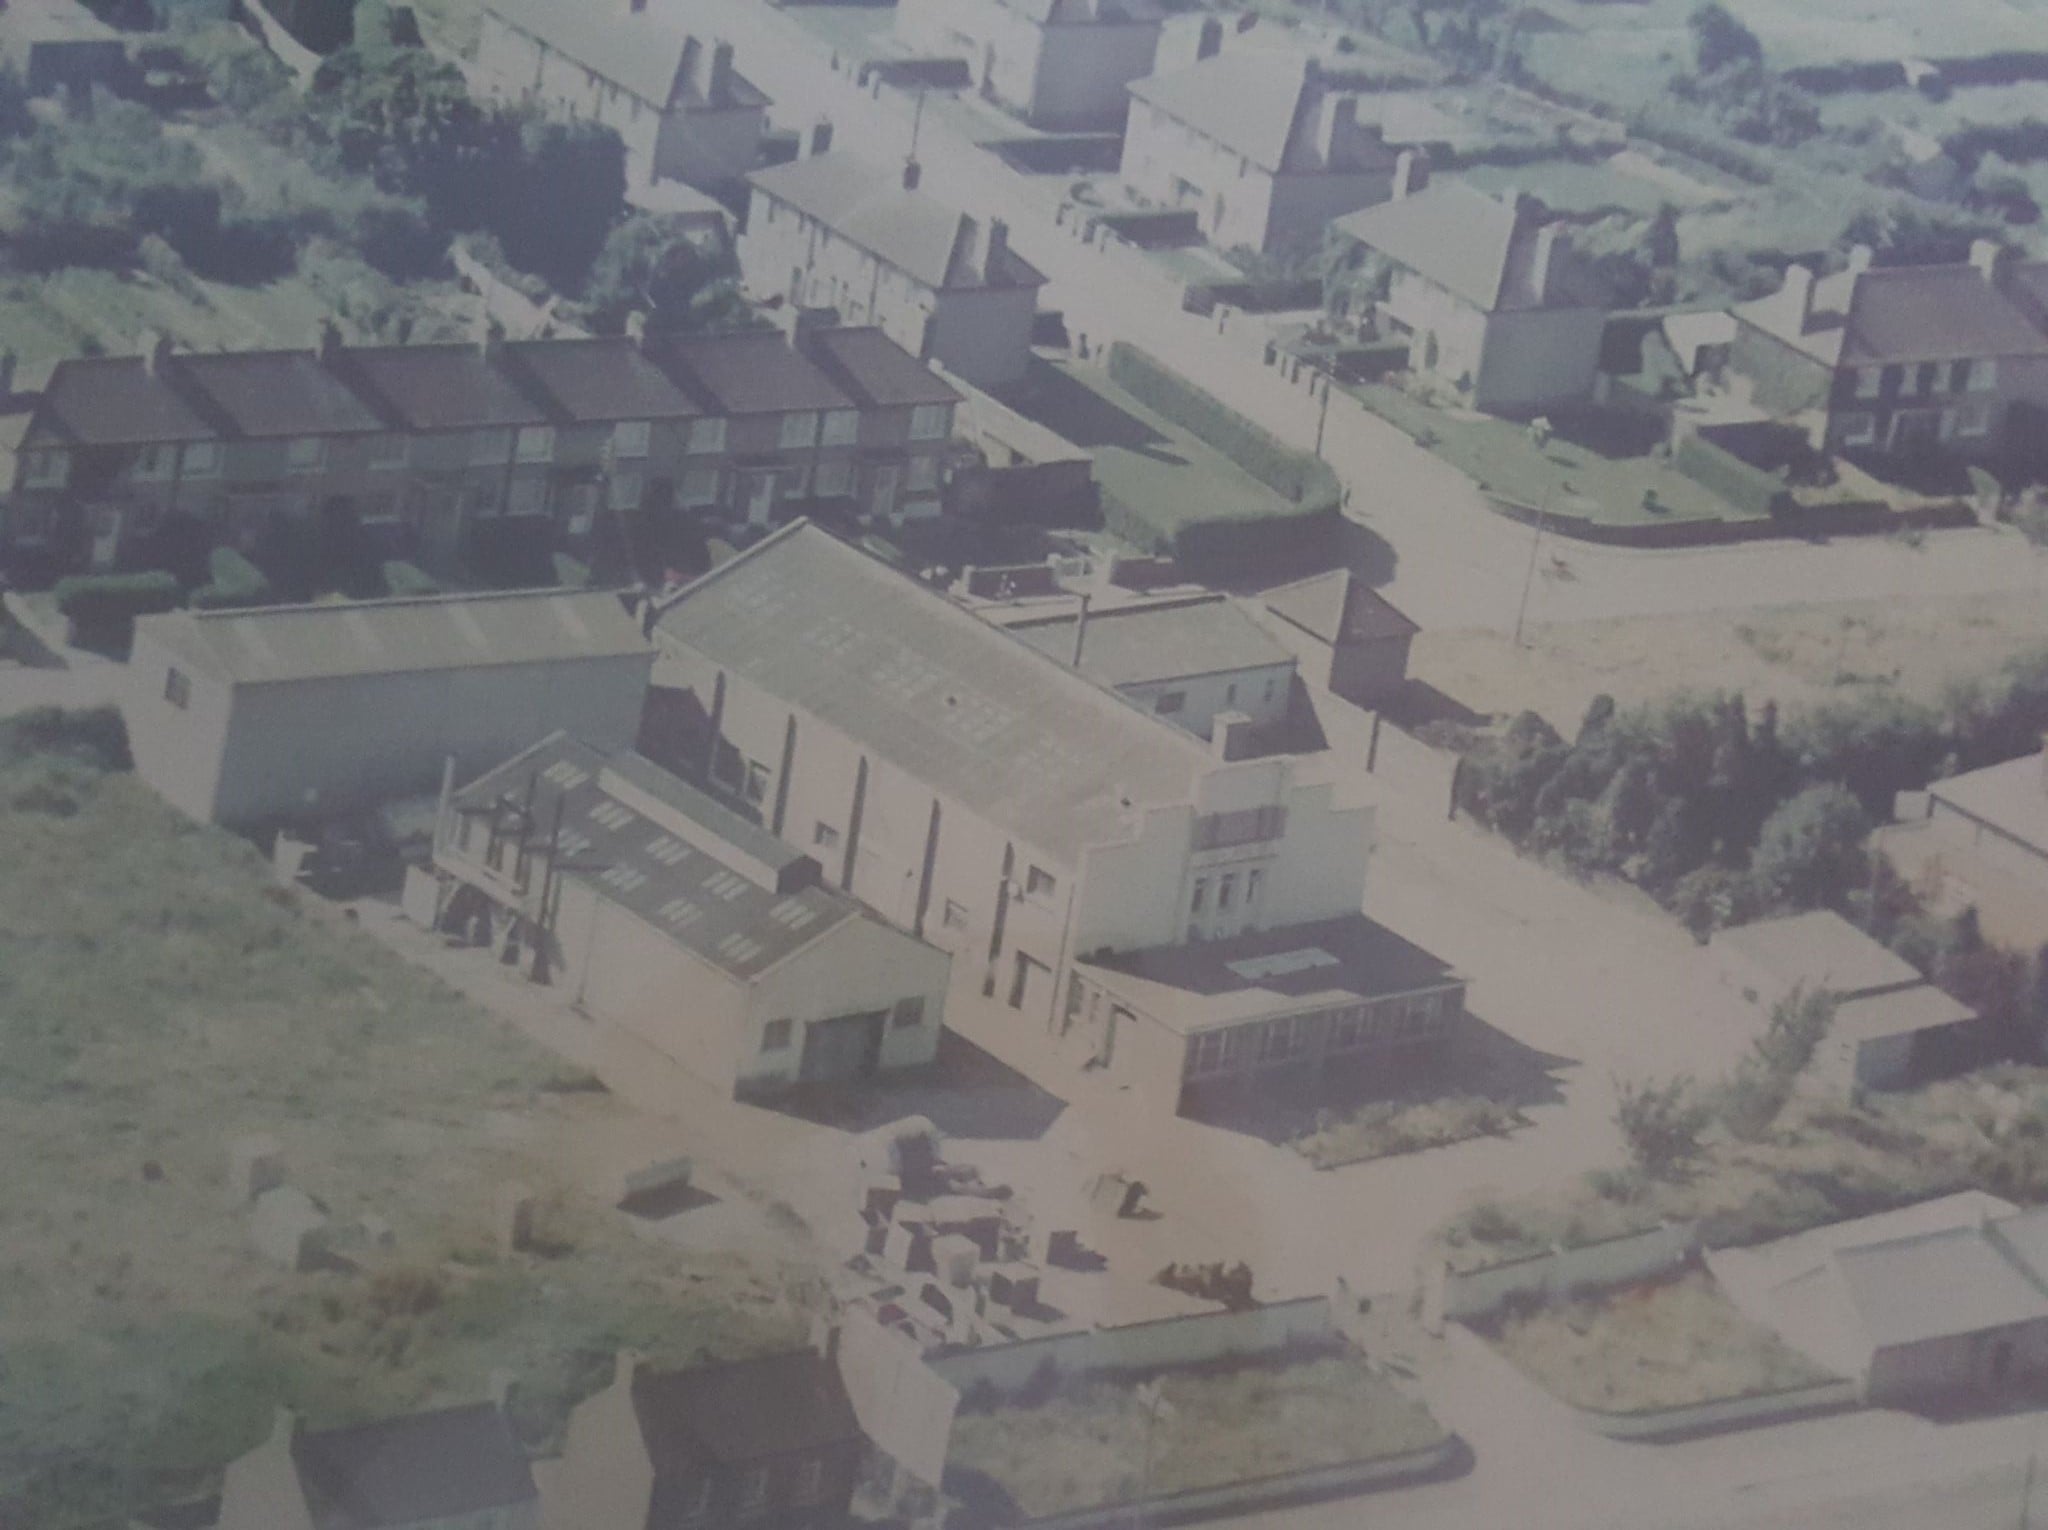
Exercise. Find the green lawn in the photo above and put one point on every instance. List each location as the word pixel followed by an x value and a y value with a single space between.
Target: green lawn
pixel 1087 1446
pixel 1671 1344
pixel 158 997
pixel 1598 467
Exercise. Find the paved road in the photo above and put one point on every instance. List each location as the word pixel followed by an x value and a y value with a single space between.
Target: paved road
pixel 1455 563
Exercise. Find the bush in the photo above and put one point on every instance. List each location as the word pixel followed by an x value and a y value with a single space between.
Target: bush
pixel 1660 1124
pixel 98 737
pixel 236 582
pixel 409 580
pixel 571 573
pixel 101 608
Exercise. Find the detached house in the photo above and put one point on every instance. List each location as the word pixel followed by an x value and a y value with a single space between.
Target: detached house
pixel 1004 806
pixel 1059 64
pixel 434 450
pixel 1898 360
pixel 674 98
pixel 452 1469
pixel 1266 147
pixel 1488 290
pixel 683 922
pixel 770 1443
pixel 837 231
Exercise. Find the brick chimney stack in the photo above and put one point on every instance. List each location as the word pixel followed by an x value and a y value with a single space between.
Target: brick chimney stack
pixel 719 92
pixel 995 258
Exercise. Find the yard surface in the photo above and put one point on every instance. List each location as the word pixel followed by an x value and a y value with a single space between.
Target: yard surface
pixel 1598 468
pixel 1161 471
pixel 162 998
pixel 1664 1345
pixel 1087 1446
pixel 1797 656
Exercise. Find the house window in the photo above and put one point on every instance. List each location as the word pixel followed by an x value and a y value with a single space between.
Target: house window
pixel 906 1015
pixel 756 788
pixel 177 688
pixel 1983 375
pixel 1040 883
pixel 48 470
pixel 955 915
pixel 931 422
pixel 1170 702
pixel 536 443
pixel 1859 429
pixel 630 438
pixel 824 836
pixel 625 491
pixel 842 427
pixel 202 459
pixel 387 452
pixel 1958 376
pixel 154 463
pixel 700 486
pixel 528 496
pixel 921 475
pixel 1279 1041
pixel 1199 899
pixel 810 1481
pixel 1253 881
pixel 1869 381
pixel 799 430
pixel 1890 378
pixel 706 436
pixel 1207 1053
pixel 1928 377
pixel 1973 418
pixel 489 448
pixel 834 480
pixel 1226 890
pixel 754 1490
pixel 775 1035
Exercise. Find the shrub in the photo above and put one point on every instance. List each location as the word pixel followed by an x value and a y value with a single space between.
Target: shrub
pixel 408 579
pixel 571 573
pixel 1660 1123
pixel 235 582
pixel 101 608
pixel 98 737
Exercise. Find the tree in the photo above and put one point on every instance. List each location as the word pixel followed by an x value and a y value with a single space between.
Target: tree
pixel 1810 853
pixel 1719 40
pixel 1660 1124
pixel 682 280
pixel 562 189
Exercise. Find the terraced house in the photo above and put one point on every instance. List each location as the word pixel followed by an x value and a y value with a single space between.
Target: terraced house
pixel 434 450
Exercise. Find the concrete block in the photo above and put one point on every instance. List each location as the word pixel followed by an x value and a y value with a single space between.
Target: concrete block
pixel 288 1227
pixel 255 1164
pixel 884 1191
pixel 955 1259
pixel 1013 1286
pixel 910 1248
pixel 671 1176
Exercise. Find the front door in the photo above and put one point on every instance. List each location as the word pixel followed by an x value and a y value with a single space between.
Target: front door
pixel 1916 431
pixel 882 497
pixel 106 536
pixel 849 1046
pixel 760 498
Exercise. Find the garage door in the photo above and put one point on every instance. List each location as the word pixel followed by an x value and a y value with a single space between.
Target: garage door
pixel 849 1046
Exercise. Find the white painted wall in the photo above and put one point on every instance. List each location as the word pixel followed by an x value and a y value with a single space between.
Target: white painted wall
pixel 856 966
pixel 177 751
pixel 1261 694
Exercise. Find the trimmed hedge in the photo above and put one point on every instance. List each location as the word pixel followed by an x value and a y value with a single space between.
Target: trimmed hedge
pixel 571 573
pixel 99 600
pixel 1289 472
pixel 409 579
pixel 236 582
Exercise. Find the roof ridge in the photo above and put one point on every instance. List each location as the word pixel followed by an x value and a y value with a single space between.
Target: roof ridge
pixel 384 602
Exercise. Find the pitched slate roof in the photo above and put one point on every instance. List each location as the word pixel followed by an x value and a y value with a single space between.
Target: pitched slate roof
pixel 1474 245
pixel 1339 607
pixel 330 641
pixel 753 373
pixel 866 204
pixel 1251 102
pixel 604 380
pixel 1138 644
pixel 718 885
pixel 1934 313
pixel 749 1410
pixel 444 387
pixel 279 393
pixel 418 1469
pixel 877 371
pixel 1010 735
pixel 642 53
pixel 117 400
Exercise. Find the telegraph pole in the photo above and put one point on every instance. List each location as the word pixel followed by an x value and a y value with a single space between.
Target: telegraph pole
pixel 1539 436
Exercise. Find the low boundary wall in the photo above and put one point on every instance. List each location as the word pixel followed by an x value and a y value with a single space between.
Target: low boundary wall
pixel 1462 1296
pixel 1726 1413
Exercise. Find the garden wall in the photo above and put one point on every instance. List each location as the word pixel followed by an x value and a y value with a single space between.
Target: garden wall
pixel 1140 1346
pixel 1848 519
pixel 1236 1498
pixel 1725 1413
pixel 1460 1296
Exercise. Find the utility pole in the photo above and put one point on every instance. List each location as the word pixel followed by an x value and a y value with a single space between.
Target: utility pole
pixel 1322 415
pixel 1539 437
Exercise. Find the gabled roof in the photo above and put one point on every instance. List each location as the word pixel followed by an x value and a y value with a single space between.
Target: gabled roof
pixel 371 637
pixel 603 380
pixel 1007 733
pixel 278 393
pixel 2011 797
pixel 419 1469
pixel 118 400
pixel 876 370
pixel 444 387
pixel 1934 313
pixel 1108 13
pixel 718 885
pixel 642 53
pixel 1251 102
pixel 934 243
pixel 1339 607
pixel 756 372
pixel 1154 641
pixel 1475 245
pixel 749 1410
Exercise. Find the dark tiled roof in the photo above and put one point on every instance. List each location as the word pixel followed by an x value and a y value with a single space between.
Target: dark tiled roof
pixel 413 1470
pixel 753 373
pixel 117 401
pixel 878 371
pixel 718 885
pixel 750 1410
pixel 444 387
pixel 1933 313
pixel 603 380
pixel 279 393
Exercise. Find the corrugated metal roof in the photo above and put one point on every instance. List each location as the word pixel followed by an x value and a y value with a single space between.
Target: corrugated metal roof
pixel 1022 741
pixel 681 861
pixel 332 641
pixel 866 205
pixel 1132 645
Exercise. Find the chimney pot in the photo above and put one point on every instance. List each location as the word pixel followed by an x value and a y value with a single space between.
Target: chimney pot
pixel 636 328
pixel 1210 43
pixel 1988 256
pixel 326 340
pixel 821 137
pixel 912 174
pixel 155 347
pixel 1860 257
pixel 719 93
